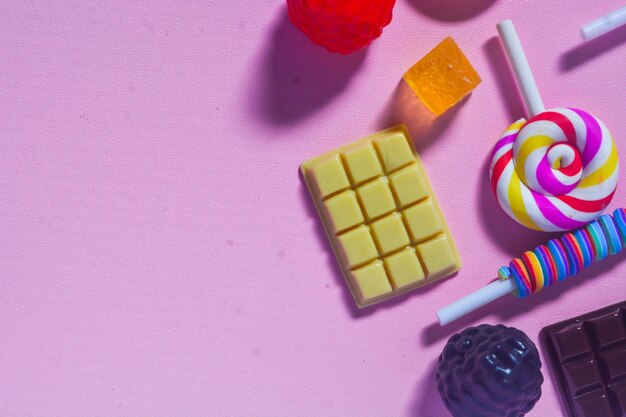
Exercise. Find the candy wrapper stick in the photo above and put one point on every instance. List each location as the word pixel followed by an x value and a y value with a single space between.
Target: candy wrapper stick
pixel 603 24
pixel 548 264
pixel 475 300
pixel 522 71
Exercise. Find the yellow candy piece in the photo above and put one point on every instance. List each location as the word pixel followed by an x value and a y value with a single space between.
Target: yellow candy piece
pixel 371 282
pixel 443 77
pixel 404 268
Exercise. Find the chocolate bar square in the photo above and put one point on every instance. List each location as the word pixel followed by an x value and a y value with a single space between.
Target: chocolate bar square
pixel 588 357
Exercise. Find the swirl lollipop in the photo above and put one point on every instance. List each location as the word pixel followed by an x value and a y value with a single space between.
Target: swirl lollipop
pixel 558 170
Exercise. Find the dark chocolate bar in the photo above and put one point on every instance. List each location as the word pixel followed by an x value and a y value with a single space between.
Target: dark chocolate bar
pixel 587 355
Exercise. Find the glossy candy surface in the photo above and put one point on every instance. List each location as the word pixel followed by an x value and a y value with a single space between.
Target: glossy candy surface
pixel 588 357
pixel 489 371
pixel 343 26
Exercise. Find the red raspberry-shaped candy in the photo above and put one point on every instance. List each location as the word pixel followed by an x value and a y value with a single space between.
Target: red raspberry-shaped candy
pixel 341 26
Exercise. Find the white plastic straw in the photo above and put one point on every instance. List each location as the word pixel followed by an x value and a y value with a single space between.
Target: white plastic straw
pixel 475 300
pixel 522 71
pixel 603 24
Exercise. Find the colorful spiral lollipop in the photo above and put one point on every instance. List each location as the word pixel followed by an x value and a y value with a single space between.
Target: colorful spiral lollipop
pixel 557 171
pixel 548 264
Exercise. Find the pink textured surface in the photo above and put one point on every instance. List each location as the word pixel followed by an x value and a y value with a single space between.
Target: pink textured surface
pixel 159 255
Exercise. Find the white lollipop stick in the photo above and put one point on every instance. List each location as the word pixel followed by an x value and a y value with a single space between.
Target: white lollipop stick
pixel 522 71
pixel 603 24
pixel 475 300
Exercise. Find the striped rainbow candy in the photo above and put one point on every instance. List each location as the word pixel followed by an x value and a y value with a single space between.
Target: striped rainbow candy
pixel 566 256
pixel 555 172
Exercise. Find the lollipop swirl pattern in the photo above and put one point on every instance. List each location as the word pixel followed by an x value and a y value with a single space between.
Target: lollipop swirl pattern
pixel 555 172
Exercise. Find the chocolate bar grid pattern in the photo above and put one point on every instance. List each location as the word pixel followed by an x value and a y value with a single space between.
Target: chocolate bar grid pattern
pixel 590 361
pixel 382 220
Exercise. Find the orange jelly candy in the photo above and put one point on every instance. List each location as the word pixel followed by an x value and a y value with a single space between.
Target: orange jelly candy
pixel 443 77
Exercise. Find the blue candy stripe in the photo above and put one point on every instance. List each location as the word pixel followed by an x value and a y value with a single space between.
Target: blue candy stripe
pixel 560 259
pixel 574 265
pixel 619 216
pixel 611 233
pixel 600 244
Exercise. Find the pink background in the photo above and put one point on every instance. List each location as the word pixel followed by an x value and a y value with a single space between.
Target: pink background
pixel 159 255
